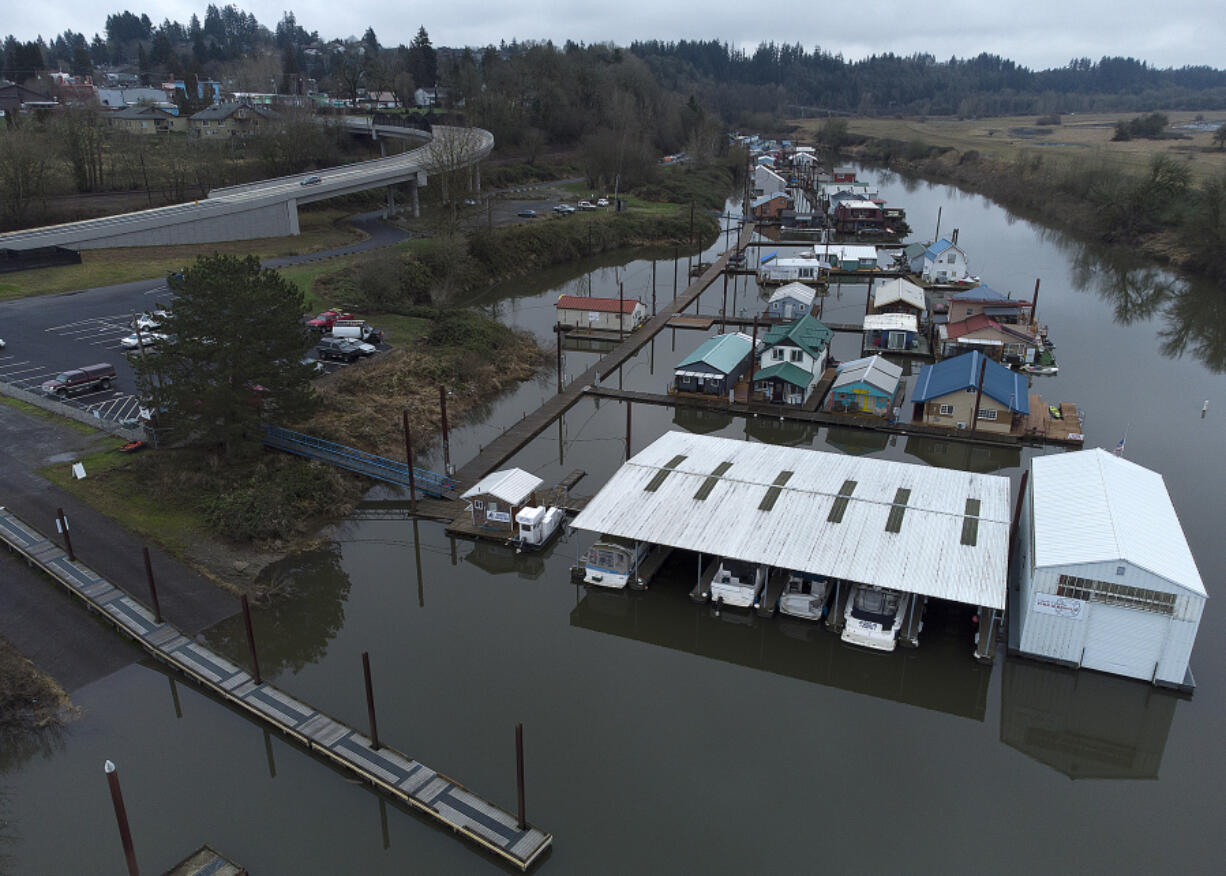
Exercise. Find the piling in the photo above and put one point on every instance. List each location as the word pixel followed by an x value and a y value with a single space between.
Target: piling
pixel 61 523
pixel 370 702
pixel 1017 511
pixel 519 774
pixel 983 367
pixel 442 404
pixel 723 311
pixel 1034 301
pixel 255 660
pixel 621 312
pixel 753 359
pixel 408 456
pixel 121 816
pixel 557 330
pixel 628 429
pixel 153 591
pixel 653 287
pixel 676 259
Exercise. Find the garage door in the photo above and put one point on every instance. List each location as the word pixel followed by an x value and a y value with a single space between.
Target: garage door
pixel 1125 641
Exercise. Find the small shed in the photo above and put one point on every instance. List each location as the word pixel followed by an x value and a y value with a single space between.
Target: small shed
pixel 791 301
pixel 495 498
pixel 1107 580
pixel 601 313
pixel 872 385
pixel 891 331
pixel 716 366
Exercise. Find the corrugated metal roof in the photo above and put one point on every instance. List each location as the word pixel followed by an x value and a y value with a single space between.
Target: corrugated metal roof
pixel 876 371
pixel 799 291
pixel 809 333
pixel 962 372
pixel 722 352
pixel 512 485
pixel 785 371
pixel 925 556
pixel 905 322
pixel 599 305
pixel 983 294
pixel 1091 507
pixel 937 248
pixel 899 289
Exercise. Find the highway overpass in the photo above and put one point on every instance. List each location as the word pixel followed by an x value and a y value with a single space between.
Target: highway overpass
pixel 268 208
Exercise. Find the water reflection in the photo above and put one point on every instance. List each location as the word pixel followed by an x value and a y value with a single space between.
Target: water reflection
pixel 963 456
pixel 940 675
pixel 497 559
pixel 700 421
pixel 305 612
pixel 19 744
pixel 857 442
pixel 1085 725
pixel 786 433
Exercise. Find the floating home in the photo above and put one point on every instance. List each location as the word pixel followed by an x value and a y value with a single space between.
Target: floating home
pixel 915 529
pixel 872 385
pixel 942 262
pixel 985 300
pixel 805 268
pixel 948 394
pixel 850 257
pixel 855 215
pixel 791 301
pixel 891 332
pixel 1107 580
pixel 495 498
pixel 769 207
pixel 899 296
pixel 716 366
pixel 999 341
pixel 791 360
pixel 601 314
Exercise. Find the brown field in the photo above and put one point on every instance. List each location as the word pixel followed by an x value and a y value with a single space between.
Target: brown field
pixel 1080 136
pixel 320 229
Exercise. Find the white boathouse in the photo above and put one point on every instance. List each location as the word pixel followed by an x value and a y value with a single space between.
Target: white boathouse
pixel 1106 579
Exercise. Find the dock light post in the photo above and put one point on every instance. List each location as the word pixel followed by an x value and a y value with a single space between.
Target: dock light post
pixel 255 660
pixel 370 702
pixel 153 591
pixel 519 773
pixel 61 525
pixel 121 816
pixel 408 455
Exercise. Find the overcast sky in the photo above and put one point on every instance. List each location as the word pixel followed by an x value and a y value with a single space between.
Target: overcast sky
pixel 1036 33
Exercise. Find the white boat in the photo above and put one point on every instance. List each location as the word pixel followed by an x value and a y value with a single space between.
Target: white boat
pixel 737 584
pixel 805 596
pixel 1039 369
pixel 612 561
pixel 874 616
pixel 536 526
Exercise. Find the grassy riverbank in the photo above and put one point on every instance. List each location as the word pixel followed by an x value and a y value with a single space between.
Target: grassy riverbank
pixel 29 698
pixel 1147 199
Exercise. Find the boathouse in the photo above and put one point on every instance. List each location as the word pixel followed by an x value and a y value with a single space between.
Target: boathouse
pixel 716 366
pixel 872 385
pixel 891 331
pixel 581 312
pixel 791 301
pixel 495 498
pixel 915 528
pixel 1107 580
pixel 942 262
pixel 947 394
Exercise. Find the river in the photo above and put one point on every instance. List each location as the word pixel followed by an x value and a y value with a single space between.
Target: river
pixel 659 737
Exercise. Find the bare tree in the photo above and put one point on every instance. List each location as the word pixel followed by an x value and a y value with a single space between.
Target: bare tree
pixel 23 171
pixel 453 163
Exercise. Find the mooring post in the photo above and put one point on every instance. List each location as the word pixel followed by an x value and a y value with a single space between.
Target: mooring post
pixel 1017 513
pixel 621 312
pixel 1034 303
pixel 723 310
pixel 557 330
pixel 442 403
pixel 753 361
pixel 676 261
pixel 519 773
pixel 653 287
pixel 61 523
pixel 153 590
pixel 408 455
pixel 627 428
pixel 370 702
pixel 121 816
pixel 983 367
pixel 255 660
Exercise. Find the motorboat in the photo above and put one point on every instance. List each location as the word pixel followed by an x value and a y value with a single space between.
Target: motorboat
pixel 805 596
pixel 737 584
pixel 537 525
pixel 612 561
pixel 1039 369
pixel 874 616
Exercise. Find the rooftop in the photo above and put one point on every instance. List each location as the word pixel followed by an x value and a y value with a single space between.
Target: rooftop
pixel 899 290
pixel 809 333
pixel 722 352
pixel 598 305
pixel 986 295
pixel 876 371
pixel 785 371
pixel 799 291
pixel 962 372
pixel 512 485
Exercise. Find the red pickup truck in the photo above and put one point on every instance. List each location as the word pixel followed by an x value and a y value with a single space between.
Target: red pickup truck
pixel 327 319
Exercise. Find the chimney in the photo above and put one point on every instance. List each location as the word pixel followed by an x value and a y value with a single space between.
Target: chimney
pixel 954 240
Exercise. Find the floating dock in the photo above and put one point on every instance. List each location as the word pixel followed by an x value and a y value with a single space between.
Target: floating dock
pixel 206 861
pixel 428 791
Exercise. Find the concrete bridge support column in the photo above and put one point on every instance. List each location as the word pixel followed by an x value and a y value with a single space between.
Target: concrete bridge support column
pixel 291 216
pixel 414 200
pixel 391 202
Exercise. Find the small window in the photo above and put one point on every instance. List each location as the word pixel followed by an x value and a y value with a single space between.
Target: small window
pixel 1119 570
pixel 478 504
pixel 777 355
pixel 946 410
pixel 797 355
pixel 987 414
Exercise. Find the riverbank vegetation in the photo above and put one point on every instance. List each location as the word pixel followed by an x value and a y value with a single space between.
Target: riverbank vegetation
pixel 29 698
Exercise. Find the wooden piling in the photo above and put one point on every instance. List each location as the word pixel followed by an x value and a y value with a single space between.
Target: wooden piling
pixel 255 660
pixel 983 367
pixel 153 591
pixel 627 430
pixel 1017 513
pixel 408 456
pixel 370 702
pixel 442 404
pixel 61 523
pixel 121 816
pixel 519 774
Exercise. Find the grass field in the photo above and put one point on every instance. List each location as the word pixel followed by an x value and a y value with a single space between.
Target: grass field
pixel 320 229
pixel 1079 136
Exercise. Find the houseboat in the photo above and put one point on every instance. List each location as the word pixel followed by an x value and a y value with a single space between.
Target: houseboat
pixel 805 596
pixel 737 584
pixel 537 525
pixel 874 616
pixel 612 561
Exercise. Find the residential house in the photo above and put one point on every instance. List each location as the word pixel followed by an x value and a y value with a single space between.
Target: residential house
pixel 769 207
pixel 791 301
pixel 608 314
pixel 844 174
pixel 146 120
pixel 792 358
pixel 806 268
pixel 942 262
pixel 872 385
pixel 852 216
pixel 121 97
pixel 495 498
pixel 230 120
pixel 999 341
pixel 766 181
pixel 850 257
pixel 946 394
pixel 14 97
pixel 716 366
pixel 894 332
pixel 987 301
pixel 899 296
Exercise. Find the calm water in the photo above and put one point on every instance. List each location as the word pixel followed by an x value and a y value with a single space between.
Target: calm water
pixel 661 738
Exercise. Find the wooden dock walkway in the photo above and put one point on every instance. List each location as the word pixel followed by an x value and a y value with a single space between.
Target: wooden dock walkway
pixel 514 438
pixel 394 773
pixel 775 583
pixel 650 566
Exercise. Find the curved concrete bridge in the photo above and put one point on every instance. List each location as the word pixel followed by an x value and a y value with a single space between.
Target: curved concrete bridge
pixel 268 208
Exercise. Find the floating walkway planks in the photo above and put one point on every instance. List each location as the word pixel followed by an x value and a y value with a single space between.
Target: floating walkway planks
pixel 396 774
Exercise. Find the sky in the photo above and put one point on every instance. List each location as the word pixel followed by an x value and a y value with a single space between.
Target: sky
pixel 1036 33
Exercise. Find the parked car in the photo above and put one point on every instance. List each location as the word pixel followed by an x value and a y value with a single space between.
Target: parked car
pixel 149 321
pixel 324 321
pixel 311 181
pixel 83 379
pixel 357 328
pixel 340 349
pixel 586 205
pixel 564 209
pixel 526 214
pixel 470 202
pixel 142 339
pixel 602 202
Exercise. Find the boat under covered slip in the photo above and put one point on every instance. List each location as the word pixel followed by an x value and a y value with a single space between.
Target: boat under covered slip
pixel 873 617
pixel 737 584
pixel 613 562
pixel 805 596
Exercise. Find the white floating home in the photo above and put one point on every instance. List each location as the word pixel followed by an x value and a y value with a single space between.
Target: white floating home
pixel 1107 580
pixel 852 520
